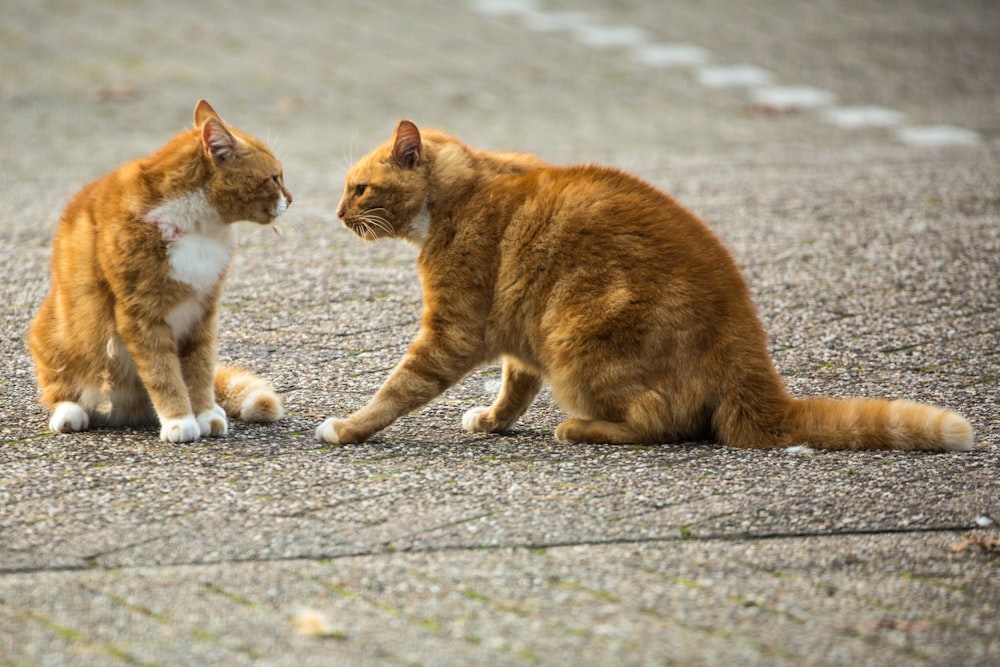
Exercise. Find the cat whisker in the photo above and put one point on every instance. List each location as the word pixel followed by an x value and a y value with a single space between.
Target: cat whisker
pixel 348 155
pixel 363 229
pixel 378 222
pixel 274 143
pixel 370 233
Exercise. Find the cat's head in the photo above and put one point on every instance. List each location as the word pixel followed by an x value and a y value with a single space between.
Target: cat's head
pixel 385 193
pixel 244 179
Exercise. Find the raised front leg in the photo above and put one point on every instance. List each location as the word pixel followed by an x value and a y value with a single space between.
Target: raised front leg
pixel 151 344
pixel 433 363
pixel 517 391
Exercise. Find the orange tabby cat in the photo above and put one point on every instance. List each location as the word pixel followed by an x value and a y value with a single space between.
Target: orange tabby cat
pixel 607 288
pixel 128 331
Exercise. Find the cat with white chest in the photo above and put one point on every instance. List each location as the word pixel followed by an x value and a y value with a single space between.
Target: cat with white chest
pixel 128 332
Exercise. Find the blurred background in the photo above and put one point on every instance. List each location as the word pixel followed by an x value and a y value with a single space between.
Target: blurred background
pixel 85 86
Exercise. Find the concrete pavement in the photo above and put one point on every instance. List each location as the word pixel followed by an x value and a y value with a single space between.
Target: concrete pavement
pixel 872 257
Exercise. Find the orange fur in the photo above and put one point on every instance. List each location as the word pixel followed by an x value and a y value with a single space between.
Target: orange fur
pixel 606 287
pixel 128 331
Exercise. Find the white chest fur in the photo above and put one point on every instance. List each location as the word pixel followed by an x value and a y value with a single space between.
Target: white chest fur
pixel 200 260
pixel 200 244
pixel 420 226
pixel 199 248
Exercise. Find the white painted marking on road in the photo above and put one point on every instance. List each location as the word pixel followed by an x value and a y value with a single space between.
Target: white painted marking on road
pixel 503 7
pixel 733 76
pixel 760 83
pixel 851 118
pixel 936 135
pixel 554 21
pixel 671 55
pixel 610 37
pixel 792 97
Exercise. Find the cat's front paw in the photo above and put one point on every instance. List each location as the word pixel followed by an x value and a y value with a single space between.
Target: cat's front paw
pixel 68 417
pixel 334 431
pixel 475 421
pixel 185 429
pixel 213 422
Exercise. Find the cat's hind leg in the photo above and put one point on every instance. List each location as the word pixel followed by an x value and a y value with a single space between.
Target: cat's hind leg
pixel 517 391
pixel 575 430
pixel 72 412
pixel 60 393
pixel 69 417
pixel 644 417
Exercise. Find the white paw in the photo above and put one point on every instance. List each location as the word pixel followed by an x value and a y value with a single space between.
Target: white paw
pixel 470 420
pixel 213 422
pixel 68 417
pixel 327 431
pixel 185 429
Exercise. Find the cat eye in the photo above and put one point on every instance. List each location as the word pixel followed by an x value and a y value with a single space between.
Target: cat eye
pixel 359 189
pixel 277 179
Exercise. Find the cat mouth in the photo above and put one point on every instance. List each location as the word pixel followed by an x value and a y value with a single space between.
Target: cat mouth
pixel 282 205
pixel 361 231
pixel 369 227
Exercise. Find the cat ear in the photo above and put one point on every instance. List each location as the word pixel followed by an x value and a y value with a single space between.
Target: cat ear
pixel 406 148
pixel 202 112
pixel 219 143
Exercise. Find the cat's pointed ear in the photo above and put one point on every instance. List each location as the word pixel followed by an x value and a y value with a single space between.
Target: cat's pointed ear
pixel 202 112
pixel 218 142
pixel 406 146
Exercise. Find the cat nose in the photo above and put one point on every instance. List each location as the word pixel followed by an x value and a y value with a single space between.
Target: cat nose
pixel 340 212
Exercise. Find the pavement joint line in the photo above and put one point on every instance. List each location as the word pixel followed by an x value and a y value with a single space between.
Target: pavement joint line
pixel 756 81
pixel 525 546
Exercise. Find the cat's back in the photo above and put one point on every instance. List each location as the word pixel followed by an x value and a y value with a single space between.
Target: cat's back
pixel 607 213
pixel 102 202
pixel 94 220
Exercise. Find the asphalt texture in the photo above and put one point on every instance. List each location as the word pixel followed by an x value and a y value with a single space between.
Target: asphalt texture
pixel 873 254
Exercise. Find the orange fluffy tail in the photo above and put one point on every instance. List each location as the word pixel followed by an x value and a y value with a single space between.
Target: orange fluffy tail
pixel 857 423
pixel 245 396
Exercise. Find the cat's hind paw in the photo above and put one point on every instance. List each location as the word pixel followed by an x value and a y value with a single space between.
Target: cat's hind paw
pixel 213 422
pixel 473 421
pixel 68 417
pixel 185 429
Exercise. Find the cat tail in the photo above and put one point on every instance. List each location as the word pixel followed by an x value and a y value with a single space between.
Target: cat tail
pixel 246 396
pixel 858 423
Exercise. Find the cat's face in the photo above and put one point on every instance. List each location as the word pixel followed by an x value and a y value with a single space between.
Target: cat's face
pixel 252 188
pixel 386 191
pixel 246 180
